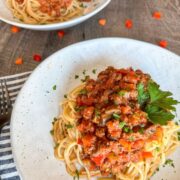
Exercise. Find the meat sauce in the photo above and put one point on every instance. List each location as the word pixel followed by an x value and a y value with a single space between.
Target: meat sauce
pixel 113 127
pixel 53 7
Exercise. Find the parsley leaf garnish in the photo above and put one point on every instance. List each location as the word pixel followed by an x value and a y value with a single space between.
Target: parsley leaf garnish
pixel 161 98
pixel 157 103
pixel 157 115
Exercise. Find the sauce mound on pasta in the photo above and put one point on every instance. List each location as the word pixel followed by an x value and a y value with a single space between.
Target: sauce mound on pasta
pixel 114 129
pixel 118 125
pixel 46 11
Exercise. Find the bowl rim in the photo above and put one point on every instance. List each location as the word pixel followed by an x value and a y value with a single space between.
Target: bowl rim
pixel 59 25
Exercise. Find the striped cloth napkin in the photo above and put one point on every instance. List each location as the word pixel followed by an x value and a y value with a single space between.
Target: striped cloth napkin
pixel 8 169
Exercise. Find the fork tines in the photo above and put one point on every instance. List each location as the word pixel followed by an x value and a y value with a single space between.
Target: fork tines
pixel 5 102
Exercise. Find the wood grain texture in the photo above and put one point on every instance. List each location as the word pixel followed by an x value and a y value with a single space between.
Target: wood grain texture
pixel 26 43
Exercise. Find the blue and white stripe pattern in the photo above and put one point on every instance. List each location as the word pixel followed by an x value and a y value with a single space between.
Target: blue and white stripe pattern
pixel 7 167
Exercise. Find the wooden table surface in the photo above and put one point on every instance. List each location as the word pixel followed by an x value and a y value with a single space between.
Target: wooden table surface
pixel 26 43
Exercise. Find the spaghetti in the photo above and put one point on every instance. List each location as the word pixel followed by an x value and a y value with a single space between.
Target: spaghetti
pixel 45 11
pixel 106 130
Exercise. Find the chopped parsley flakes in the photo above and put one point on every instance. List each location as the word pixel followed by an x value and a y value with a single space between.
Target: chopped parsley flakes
pixel 69 126
pixel 54 87
pixel 122 124
pixel 116 116
pixel 94 71
pixel 169 162
pixel 121 93
pixel 76 76
pixel 52 132
pixel 85 79
pixel 83 92
pixel 77 175
pixel 97 113
pixel 178 133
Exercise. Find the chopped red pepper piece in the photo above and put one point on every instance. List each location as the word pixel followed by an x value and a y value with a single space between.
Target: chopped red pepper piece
pixel 15 29
pixel 61 33
pixel 98 160
pixel 102 22
pixel 37 57
pixel 19 61
pixel 163 43
pixel 146 155
pixel 128 24
pixel 79 141
pixel 157 15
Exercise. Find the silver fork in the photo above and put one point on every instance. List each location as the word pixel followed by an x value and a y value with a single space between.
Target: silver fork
pixel 5 104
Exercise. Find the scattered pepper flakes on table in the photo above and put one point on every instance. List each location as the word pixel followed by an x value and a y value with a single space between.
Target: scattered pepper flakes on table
pixel 102 22
pixel 61 33
pixel 19 61
pixel 163 43
pixel 157 15
pixel 37 57
pixel 15 29
pixel 128 23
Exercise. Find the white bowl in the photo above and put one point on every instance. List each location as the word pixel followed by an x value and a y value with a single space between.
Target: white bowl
pixel 7 16
pixel 37 103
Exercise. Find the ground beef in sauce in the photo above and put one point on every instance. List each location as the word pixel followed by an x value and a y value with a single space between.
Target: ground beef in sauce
pixel 114 129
